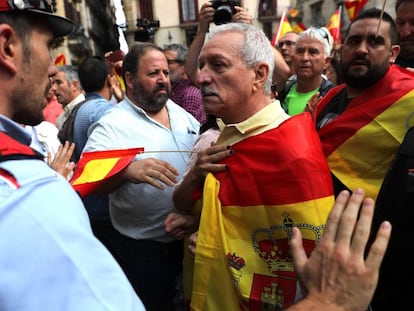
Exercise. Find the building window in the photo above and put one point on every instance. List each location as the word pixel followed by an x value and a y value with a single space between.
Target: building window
pixel 267 8
pixel 317 17
pixel 188 11
pixel 145 7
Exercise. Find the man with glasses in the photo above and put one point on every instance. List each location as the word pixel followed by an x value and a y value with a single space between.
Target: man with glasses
pixel 183 91
pixel 286 47
pixel 49 258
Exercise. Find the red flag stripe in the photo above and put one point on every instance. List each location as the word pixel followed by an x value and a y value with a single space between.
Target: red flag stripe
pixel 124 156
pixel 362 110
pixel 255 169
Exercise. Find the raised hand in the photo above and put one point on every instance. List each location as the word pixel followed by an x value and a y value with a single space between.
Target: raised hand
pixel 337 276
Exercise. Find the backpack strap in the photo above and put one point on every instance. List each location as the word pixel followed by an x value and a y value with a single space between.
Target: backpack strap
pixel 66 132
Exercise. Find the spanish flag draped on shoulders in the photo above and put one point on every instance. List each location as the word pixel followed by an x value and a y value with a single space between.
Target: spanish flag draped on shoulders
pixel 277 178
pixel 361 142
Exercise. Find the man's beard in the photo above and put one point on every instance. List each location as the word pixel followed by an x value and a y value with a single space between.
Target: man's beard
pixel 150 102
pixel 363 80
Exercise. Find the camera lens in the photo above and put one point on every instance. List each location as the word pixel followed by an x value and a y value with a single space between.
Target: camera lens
pixel 223 15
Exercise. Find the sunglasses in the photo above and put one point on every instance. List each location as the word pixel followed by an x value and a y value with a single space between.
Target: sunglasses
pixel 322 32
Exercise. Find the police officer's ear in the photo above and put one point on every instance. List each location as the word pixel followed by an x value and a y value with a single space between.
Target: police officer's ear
pixel 261 75
pixel 395 50
pixel 9 45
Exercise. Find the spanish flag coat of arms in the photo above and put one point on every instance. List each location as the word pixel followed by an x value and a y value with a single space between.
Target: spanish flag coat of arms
pixel 274 181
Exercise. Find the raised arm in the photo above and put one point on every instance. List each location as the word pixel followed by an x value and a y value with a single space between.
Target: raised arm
pixel 206 17
pixel 191 64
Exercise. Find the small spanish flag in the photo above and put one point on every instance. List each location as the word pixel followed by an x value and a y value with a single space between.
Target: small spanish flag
pixel 353 7
pixel 283 28
pixel 60 60
pixel 95 167
pixel 334 25
pixel 298 27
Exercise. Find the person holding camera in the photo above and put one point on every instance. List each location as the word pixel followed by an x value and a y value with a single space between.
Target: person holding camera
pixel 221 12
pixel 207 16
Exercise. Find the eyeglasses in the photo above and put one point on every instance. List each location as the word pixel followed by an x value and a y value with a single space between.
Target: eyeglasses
pixel 322 32
pixel 42 5
pixel 288 43
pixel 172 61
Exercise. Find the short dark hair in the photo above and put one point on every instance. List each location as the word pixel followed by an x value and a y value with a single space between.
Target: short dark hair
pixel 21 23
pixel 376 13
pixel 93 73
pixel 136 51
pixel 399 2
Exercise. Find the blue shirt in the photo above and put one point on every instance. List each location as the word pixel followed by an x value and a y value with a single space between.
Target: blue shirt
pixel 139 210
pixel 90 112
pixel 49 258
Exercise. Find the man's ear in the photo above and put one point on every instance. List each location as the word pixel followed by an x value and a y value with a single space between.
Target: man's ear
pixel 108 81
pixel 327 62
pixel 129 80
pixel 76 85
pixel 8 48
pixel 395 50
pixel 261 74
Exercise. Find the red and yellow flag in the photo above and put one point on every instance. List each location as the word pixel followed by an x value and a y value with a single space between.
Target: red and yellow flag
pixel 298 27
pixel 353 7
pixel 361 142
pixel 95 167
pixel 334 26
pixel 60 60
pixel 272 183
pixel 283 28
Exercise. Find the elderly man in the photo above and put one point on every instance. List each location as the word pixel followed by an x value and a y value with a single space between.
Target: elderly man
pixel 310 59
pixel 49 257
pixel 68 91
pixel 251 205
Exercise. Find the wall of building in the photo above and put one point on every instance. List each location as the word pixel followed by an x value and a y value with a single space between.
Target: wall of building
pixel 167 12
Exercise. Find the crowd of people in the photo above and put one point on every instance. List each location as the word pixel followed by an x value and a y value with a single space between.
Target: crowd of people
pixel 270 178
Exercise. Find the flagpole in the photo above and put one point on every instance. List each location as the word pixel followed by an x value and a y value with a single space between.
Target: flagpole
pixel 338 31
pixel 279 28
pixel 167 151
pixel 380 19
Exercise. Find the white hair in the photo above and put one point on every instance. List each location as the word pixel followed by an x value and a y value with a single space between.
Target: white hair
pixel 254 48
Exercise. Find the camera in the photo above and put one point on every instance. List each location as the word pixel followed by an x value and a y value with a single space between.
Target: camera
pixel 146 29
pixel 224 10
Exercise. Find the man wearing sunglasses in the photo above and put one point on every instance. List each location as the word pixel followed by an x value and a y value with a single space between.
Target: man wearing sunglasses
pixel 49 257
pixel 311 57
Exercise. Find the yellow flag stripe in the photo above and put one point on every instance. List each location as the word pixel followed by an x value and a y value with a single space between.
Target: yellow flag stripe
pixel 357 163
pixel 95 170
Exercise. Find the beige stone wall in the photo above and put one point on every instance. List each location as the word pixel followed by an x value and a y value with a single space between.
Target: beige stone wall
pixel 168 14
